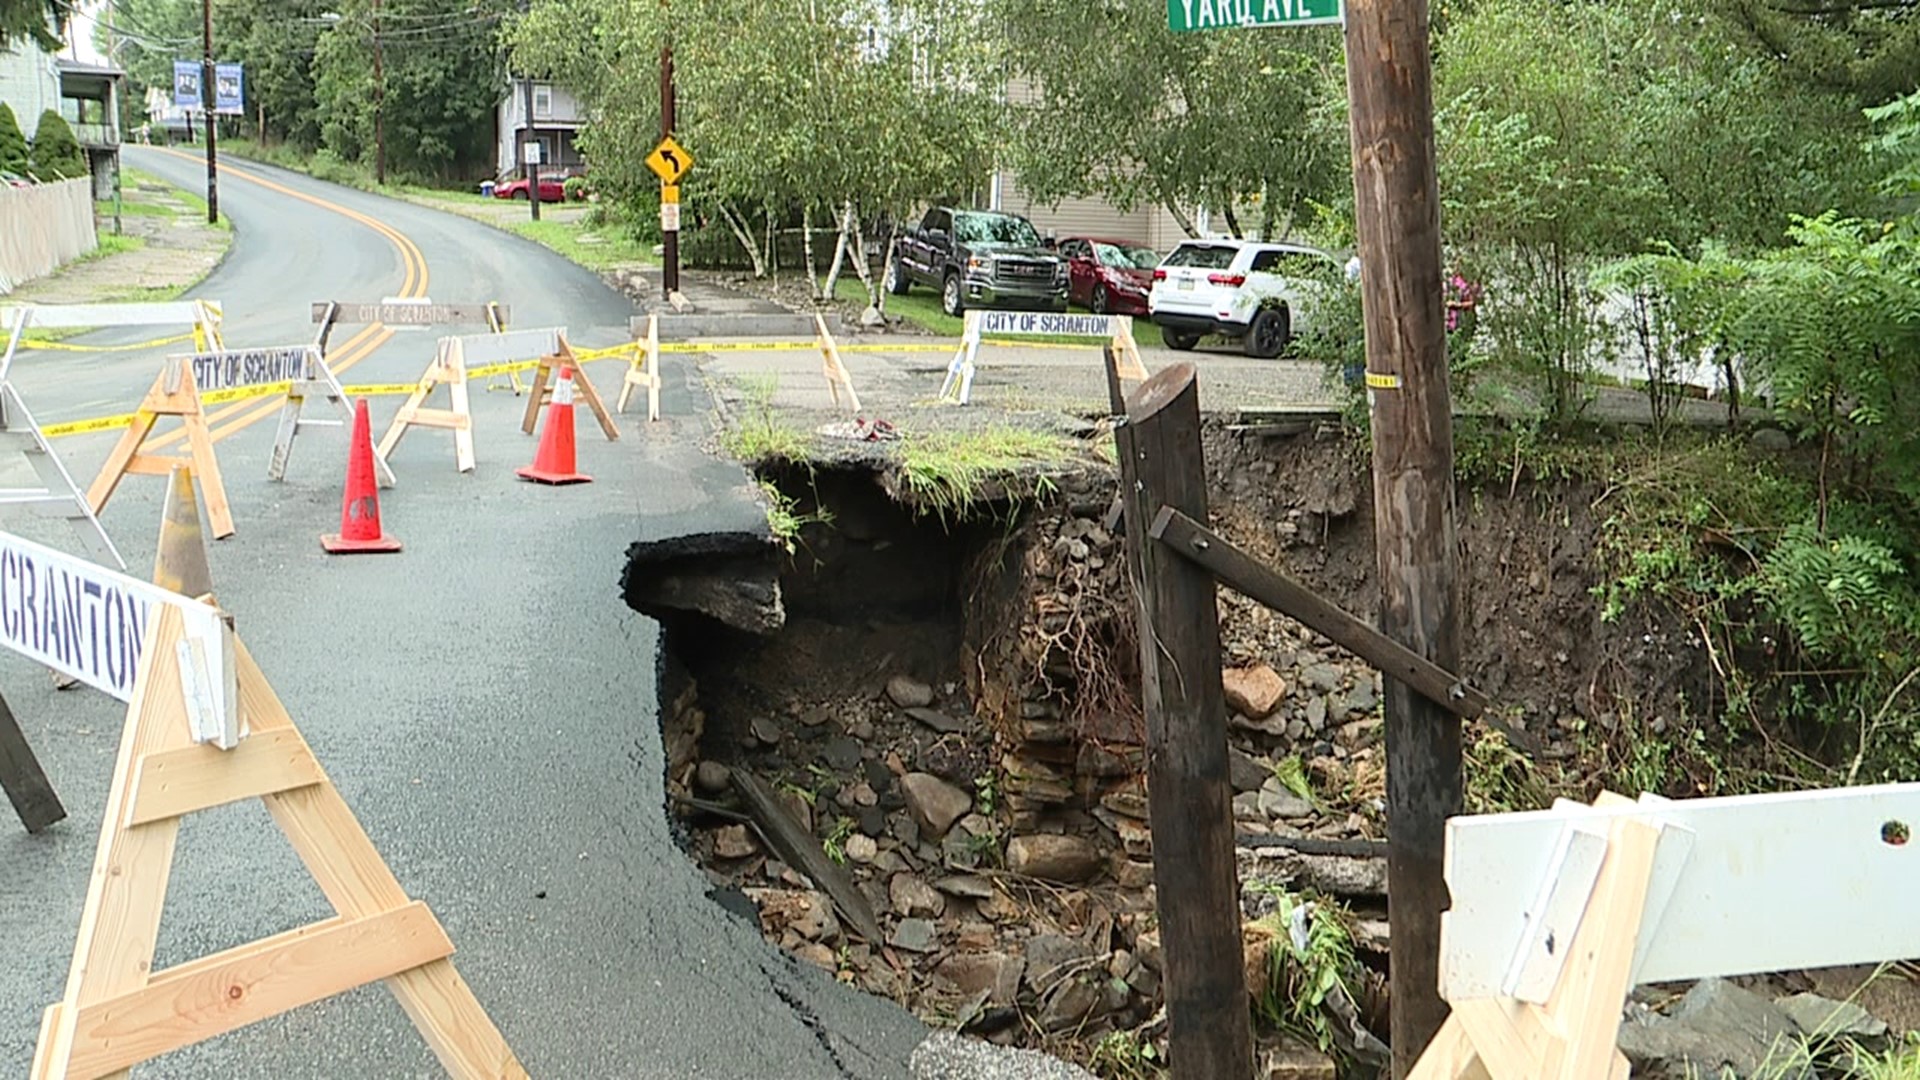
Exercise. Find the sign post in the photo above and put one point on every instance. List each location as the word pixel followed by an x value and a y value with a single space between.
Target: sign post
pixel 670 162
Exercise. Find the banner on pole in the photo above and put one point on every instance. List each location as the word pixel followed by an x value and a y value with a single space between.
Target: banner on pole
pixel 228 90
pixel 186 85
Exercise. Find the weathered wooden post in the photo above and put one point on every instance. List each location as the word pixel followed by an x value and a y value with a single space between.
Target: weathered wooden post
pixel 25 782
pixel 1397 218
pixel 1189 796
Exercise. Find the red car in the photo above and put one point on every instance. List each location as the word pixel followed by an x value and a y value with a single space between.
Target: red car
pixel 552 189
pixel 1108 277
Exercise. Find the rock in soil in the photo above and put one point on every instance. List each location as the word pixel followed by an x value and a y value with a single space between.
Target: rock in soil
pixel 909 692
pixel 913 897
pixel 938 721
pixel 732 842
pixel 1247 772
pixel 1253 692
pixel 913 935
pixel 1823 1017
pixel 946 1056
pixel 1717 1025
pixel 711 777
pixel 1054 857
pixel 1279 801
pixel 935 804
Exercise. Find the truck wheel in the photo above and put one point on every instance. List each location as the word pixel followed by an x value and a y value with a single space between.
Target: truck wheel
pixel 1177 340
pixel 897 281
pixel 1097 303
pixel 950 300
pixel 1268 335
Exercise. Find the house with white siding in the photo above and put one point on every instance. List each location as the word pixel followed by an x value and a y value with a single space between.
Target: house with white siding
pixel 29 83
pixel 557 119
pixel 1154 226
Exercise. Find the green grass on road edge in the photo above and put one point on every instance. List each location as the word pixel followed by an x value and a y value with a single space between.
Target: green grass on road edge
pixel 599 248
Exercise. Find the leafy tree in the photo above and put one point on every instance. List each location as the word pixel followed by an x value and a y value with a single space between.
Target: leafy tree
pixel 56 153
pixel 42 22
pixel 441 81
pixel 812 111
pixel 13 144
pixel 1869 49
pixel 1130 111
pixel 275 40
pixel 149 35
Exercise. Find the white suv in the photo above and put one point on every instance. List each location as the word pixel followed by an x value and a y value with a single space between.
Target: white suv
pixel 1259 293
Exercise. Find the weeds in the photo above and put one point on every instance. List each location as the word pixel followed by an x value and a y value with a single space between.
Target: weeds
pixel 760 437
pixel 1293 776
pixel 835 845
pixel 950 473
pixel 784 518
pixel 1126 1055
pixel 1309 962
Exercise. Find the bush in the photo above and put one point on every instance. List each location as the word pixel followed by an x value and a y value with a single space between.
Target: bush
pixel 56 153
pixel 13 144
pixel 575 188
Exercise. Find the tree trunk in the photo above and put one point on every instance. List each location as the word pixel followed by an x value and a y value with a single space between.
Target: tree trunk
pixel 745 237
pixel 879 288
pixel 806 251
pixel 839 251
pixel 1233 223
pixel 860 266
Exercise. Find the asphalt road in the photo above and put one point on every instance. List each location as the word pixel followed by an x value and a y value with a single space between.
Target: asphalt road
pixel 484 700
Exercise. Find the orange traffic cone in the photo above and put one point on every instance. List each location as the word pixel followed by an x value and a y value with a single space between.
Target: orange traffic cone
pixel 553 463
pixel 360 508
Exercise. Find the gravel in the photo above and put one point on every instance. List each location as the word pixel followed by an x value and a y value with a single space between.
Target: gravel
pixel 946 1056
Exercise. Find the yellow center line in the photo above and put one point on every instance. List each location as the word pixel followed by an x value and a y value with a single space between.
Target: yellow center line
pixel 357 348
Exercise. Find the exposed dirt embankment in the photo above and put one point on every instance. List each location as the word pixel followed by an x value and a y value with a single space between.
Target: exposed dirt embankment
pixel 949 711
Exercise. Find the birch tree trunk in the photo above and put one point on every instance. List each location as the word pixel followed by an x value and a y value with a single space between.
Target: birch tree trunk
pixel 832 289
pixel 806 251
pixel 745 237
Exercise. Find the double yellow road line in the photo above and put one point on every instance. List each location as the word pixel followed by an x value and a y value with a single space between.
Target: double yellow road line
pixel 240 415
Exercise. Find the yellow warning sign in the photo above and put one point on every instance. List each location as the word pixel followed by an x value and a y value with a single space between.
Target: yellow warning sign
pixel 669 161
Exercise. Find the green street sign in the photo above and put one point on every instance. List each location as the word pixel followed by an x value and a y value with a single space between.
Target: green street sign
pixel 1183 15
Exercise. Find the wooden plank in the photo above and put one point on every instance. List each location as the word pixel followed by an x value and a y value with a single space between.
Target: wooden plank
pixel 120 920
pixel 251 983
pixel 406 314
pixel 1450 1056
pixel 802 852
pixel 157 313
pixel 1246 575
pixel 1198 894
pixel 583 386
pixel 536 396
pixel 178 782
pixel 33 797
pixel 531 344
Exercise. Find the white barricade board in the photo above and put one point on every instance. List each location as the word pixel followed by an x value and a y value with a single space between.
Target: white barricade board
pixel 480 350
pixel 989 324
pixel 89 622
pixel 1740 885
pixel 156 313
pixel 250 367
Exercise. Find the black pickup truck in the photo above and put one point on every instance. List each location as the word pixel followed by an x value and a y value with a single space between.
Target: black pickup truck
pixel 979 258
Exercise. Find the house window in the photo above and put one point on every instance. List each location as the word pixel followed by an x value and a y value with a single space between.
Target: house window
pixel 542 102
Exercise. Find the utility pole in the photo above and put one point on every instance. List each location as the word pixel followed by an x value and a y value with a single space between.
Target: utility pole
pixel 379 105
pixel 531 166
pixel 206 108
pixel 669 238
pixel 1397 213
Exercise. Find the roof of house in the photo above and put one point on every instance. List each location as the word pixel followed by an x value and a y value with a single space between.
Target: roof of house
pixel 75 67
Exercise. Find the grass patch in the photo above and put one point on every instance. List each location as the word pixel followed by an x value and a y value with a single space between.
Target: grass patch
pixel 784 519
pixel 109 245
pixel 761 437
pixel 598 248
pixel 950 473
pixel 131 206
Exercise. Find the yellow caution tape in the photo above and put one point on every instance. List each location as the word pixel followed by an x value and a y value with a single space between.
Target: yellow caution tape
pixel 241 393
pixel 62 346
pixel 1377 381
pixel 82 427
pixel 380 389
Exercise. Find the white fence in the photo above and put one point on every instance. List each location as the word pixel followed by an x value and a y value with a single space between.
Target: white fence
pixel 43 227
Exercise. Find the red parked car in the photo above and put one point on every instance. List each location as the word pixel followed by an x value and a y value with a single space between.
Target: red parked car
pixel 552 189
pixel 1108 277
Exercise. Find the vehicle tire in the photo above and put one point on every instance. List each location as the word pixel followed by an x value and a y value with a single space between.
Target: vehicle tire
pixel 951 301
pixel 897 280
pixel 521 194
pixel 1098 302
pixel 1268 335
pixel 1177 340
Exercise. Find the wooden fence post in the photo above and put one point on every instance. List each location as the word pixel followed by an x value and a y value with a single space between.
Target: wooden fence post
pixel 1188 793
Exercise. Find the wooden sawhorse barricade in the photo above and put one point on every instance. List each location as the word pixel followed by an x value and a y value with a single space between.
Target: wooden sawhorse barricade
pixel 205 729
pixel 644 371
pixel 1116 329
pixel 1558 914
pixel 398 313
pixel 58 494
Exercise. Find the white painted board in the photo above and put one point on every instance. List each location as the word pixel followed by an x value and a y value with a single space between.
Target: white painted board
pixel 249 367
pixel 480 349
pixel 159 313
pixel 1761 883
pixel 1036 323
pixel 89 622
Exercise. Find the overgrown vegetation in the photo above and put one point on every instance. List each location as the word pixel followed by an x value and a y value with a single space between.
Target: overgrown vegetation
pixel 758 435
pixel 950 474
